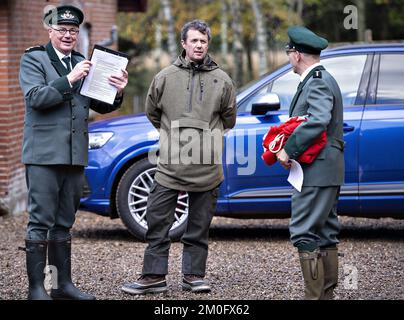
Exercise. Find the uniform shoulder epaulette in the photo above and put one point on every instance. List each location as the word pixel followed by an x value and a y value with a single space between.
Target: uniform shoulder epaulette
pixel 35 48
pixel 76 53
pixel 317 74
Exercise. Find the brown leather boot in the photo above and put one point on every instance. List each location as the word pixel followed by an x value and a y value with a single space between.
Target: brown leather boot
pixel 313 274
pixel 148 283
pixel 195 283
pixel 330 263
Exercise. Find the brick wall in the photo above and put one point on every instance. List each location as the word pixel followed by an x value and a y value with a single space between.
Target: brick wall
pixel 3 101
pixel 21 27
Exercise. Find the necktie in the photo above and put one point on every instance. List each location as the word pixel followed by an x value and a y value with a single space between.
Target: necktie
pixel 66 60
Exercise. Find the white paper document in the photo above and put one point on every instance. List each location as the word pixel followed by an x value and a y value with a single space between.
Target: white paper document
pixel 296 175
pixel 104 64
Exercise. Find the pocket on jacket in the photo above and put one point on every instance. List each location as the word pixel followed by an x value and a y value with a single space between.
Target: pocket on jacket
pixel 338 144
pixel 46 142
pixel 190 123
pixel 194 142
pixel 44 126
pixel 322 154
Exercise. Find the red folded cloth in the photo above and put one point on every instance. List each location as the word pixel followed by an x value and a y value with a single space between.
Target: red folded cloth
pixel 277 136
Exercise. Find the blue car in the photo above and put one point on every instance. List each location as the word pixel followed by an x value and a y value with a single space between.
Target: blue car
pixel 371 77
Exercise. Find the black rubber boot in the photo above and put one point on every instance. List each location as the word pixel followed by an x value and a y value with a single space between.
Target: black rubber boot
pixel 36 263
pixel 60 256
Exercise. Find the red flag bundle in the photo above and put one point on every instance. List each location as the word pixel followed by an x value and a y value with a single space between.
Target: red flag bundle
pixel 277 136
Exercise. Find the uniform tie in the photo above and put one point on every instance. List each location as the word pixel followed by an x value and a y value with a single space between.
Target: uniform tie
pixel 66 60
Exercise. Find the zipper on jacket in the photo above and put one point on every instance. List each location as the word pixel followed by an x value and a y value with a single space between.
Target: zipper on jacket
pixel 189 109
pixel 201 92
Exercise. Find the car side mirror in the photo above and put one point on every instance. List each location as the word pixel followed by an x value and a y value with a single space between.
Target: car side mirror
pixel 264 103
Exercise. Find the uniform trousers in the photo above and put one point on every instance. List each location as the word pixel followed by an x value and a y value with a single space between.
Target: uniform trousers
pixel 314 216
pixel 54 193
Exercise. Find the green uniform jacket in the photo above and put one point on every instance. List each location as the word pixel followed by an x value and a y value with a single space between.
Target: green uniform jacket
pixel 56 115
pixel 191 106
pixel 319 97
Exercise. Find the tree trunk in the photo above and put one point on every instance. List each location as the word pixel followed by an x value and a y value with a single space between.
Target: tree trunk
pixel 172 44
pixel 250 67
pixel 360 4
pixel 296 6
pixel 261 38
pixel 157 51
pixel 237 45
pixel 223 34
pixel 299 9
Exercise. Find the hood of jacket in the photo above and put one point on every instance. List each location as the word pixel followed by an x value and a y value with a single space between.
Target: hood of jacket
pixel 207 64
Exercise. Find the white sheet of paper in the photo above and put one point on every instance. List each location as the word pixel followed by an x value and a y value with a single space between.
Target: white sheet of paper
pixel 296 175
pixel 96 84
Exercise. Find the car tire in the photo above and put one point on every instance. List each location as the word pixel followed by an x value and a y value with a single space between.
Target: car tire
pixel 134 185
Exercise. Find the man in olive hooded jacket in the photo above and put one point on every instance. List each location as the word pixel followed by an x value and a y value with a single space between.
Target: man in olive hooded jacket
pixel 192 103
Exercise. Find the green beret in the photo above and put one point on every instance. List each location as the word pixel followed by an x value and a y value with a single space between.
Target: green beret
pixel 64 15
pixel 306 41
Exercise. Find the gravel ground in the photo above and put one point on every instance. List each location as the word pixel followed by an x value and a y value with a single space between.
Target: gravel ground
pixel 248 259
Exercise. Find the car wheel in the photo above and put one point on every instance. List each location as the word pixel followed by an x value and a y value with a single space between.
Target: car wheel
pixel 131 201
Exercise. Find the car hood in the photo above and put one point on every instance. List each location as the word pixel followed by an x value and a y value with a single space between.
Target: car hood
pixel 122 121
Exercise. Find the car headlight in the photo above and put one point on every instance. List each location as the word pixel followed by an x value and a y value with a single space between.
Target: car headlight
pixel 98 139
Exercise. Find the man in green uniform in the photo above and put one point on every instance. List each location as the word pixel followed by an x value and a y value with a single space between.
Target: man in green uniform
pixel 314 223
pixel 55 148
pixel 191 103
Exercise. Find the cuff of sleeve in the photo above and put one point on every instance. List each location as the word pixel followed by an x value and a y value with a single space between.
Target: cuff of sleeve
pixel 291 147
pixel 119 100
pixel 63 86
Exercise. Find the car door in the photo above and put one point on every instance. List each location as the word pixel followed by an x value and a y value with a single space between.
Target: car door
pixel 352 72
pixel 254 186
pixel 249 180
pixel 381 163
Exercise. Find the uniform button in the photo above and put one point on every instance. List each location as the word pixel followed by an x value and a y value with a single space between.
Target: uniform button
pixel 85 132
pixel 85 107
pixel 74 117
pixel 73 105
pixel 85 119
pixel 73 130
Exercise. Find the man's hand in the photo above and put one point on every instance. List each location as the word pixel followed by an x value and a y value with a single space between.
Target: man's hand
pixel 283 159
pixel 119 82
pixel 79 71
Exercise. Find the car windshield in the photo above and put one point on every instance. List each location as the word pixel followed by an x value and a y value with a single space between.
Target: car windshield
pixel 249 84
pixel 252 82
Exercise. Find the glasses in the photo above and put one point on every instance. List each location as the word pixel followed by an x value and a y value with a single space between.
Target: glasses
pixel 62 31
pixel 290 50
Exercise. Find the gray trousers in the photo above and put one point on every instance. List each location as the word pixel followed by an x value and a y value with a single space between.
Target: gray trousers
pixel 54 193
pixel 314 216
pixel 161 206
